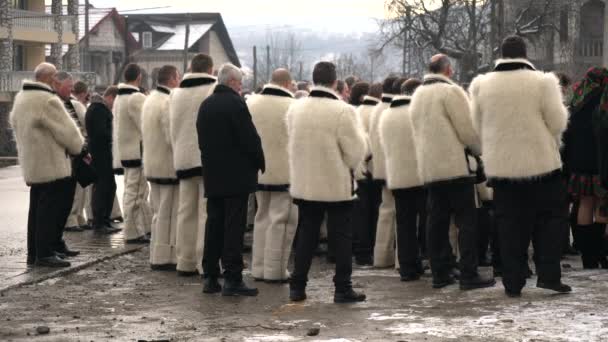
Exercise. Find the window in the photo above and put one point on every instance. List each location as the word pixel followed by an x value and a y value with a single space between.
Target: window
pixel 563 24
pixel 147 40
pixel 18 57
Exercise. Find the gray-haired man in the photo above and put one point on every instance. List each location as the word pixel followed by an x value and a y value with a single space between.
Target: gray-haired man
pixel 231 153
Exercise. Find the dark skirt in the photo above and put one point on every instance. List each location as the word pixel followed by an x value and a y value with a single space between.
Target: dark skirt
pixel 581 185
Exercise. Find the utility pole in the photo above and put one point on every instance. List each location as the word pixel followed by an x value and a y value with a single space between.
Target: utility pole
pixel 267 63
pixel 301 71
pixel 186 42
pixel 255 68
pixel 86 60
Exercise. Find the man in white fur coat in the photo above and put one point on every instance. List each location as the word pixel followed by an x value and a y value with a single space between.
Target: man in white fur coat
pixel 326 144
pixel 127 110
pixel 384 248
pixel 277 216
pixel 402 179
pixel 520 117
pixel 192 213
pixel 46 136
pixel 443 130
pixel 159 170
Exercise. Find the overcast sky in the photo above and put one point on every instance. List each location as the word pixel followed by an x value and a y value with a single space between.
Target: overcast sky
pixel 333 15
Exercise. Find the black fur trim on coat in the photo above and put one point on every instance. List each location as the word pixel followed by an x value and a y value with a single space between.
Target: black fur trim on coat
pixel 387 99
pixel 133 163
pixel 322 94
pixel 163 181
pixel 163 90
pixel 400 103
pixel 30 87
pixel 190 173
pixel 434 81
pixel 513 66
pixel 127 91
pixel 196 82
pixel 273 187
pixel 496 182
pixel 275 92
pixel 369 102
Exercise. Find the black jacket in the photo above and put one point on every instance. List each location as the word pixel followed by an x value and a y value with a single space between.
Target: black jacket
pixel 98 122
pixel 580 145
pixel 231 149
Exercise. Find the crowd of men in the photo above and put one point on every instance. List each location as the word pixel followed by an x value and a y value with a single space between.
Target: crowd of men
pixel 387 170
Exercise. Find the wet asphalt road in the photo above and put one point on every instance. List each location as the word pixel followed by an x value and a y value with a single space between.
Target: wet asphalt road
pixel 122 300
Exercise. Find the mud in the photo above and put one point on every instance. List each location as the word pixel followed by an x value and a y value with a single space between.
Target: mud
pixel 122 300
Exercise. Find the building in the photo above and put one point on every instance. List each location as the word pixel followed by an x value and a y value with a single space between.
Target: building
pixel 162 40
pixel 103 49
pixel 26 30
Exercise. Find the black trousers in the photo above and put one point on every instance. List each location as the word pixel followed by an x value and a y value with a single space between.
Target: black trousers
pixel 339 216
pixel 104 190
pixel 443 202
pixel 365 217
pixel 50 205
pixel 224 232
pixel 410 206
pixel 537 211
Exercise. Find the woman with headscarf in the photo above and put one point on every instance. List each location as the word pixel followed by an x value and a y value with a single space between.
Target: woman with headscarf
pixel 586 159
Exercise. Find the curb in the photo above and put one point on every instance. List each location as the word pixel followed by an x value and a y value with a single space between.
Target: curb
pixel 70 270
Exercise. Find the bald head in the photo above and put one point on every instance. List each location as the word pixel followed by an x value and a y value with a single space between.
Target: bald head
pixel 281 77
pixel 440 64
pixel 44 73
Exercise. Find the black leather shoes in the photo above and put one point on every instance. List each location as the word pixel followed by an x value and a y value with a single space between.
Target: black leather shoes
pixel 238 289
pixel 410 277
pixel 441 283
pixel 162 267
pixel 68 253
pixel 73 229
pixel 297 295
pixel 557 287
pixel 105 230
pixel 211 285
pixel 476 283
pixel 52 261
pixel 350 296
pixel 513 294
pixel 142 240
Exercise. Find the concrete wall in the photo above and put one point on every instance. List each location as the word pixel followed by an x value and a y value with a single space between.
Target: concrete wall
pixel 34 55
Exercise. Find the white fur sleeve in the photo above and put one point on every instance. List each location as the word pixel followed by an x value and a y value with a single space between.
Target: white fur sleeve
pixel 476 114
pixel 136 103
pixel 351 139
pixel 555 113
pixel 62 127
pixel 165 121
pixel 458 108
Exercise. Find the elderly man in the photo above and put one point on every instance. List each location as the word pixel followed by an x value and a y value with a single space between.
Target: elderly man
pixel 158 168
pixel 384 246
pixel 63 87
pixel 443 132
pixel 276 217
pixel 519 114
pixel 127 108
pixel 232 155
pixel 184 105
pixel 323 183
pixel 46 136
pixel 99 126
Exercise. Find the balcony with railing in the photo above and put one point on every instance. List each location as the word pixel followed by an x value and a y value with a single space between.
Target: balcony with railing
pixel 40 27
pixel 11 81
pixel 589 50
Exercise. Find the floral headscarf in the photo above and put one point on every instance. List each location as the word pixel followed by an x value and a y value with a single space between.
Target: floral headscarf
pixel 595 83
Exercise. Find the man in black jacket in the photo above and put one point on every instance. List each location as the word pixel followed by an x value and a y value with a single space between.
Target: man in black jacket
pixel 98 122
pixel 232 155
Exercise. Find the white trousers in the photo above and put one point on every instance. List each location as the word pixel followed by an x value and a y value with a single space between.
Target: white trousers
pixel 137 212
pixel 88 201
pixel 384 250
pixel 275 227
pixel 116 211
pixel 191 219
pixel 165 202
pixel 76 217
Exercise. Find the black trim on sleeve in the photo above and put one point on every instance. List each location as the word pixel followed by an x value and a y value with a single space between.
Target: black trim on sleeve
pixel 132 163
pixel 190 173
pixel 273 187
pixel 163 181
